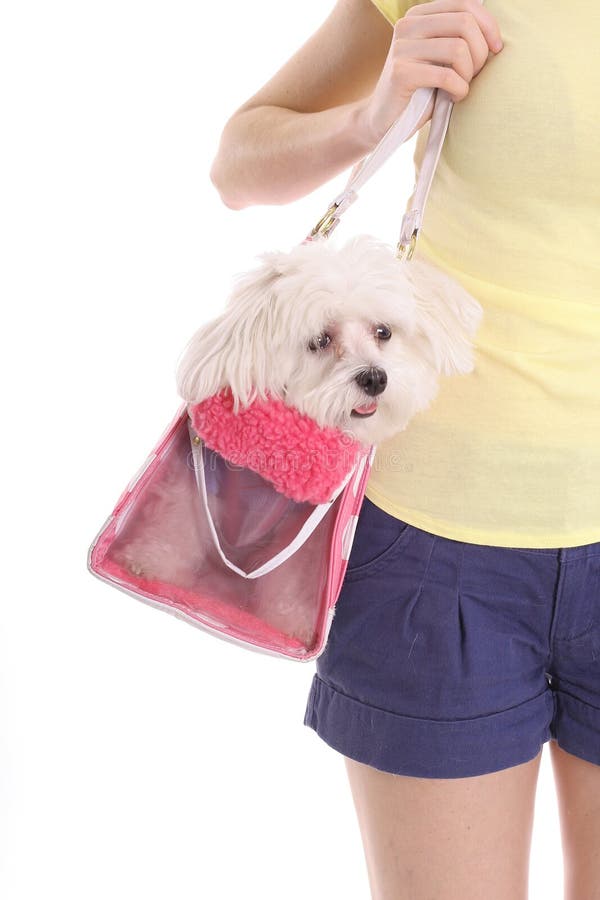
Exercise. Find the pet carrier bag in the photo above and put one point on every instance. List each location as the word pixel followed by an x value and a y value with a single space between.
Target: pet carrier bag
pixel 233 547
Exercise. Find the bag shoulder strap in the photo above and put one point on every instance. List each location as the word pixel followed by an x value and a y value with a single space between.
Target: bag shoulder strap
pixel 396 135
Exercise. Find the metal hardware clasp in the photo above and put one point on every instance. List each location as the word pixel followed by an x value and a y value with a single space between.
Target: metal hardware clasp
pixel 327 222
pixel 401 246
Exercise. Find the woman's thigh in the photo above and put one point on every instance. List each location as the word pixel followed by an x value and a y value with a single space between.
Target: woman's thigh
pixel 448 839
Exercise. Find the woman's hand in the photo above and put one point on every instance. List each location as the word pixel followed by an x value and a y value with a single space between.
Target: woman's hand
pixel 331 103
pixel 441 44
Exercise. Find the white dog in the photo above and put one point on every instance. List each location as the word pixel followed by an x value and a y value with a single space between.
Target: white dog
pixel 354 337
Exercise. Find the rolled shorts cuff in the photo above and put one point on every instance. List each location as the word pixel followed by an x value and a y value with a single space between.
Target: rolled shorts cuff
pixel 430 748
pixel 576 726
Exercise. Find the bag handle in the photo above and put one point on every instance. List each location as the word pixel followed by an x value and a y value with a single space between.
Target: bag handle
pixel 303 535
pixel 397 134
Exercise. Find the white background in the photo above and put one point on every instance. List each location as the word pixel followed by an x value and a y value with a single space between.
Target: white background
pixel 142 757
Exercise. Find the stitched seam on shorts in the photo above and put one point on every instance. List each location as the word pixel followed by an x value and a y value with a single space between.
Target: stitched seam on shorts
pixel 384 559
pixel 559 690
pixel 576 637
pixel 393 712
pixel 546 550
pixel 582 555
pixel 591 625
pixel 422 585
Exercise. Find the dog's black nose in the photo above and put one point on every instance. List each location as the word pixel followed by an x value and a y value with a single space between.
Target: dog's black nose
pixel 372 380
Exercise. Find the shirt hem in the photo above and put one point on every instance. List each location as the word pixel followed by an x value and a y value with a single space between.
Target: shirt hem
pixel 491 538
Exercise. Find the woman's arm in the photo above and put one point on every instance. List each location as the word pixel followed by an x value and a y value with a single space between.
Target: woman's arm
pixel 331 103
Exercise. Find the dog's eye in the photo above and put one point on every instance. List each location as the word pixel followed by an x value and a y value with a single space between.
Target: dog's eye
pixel 320 342
pixel 383 333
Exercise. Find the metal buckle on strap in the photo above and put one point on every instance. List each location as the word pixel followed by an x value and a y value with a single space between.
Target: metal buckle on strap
pixel 327 222
pixel 402 245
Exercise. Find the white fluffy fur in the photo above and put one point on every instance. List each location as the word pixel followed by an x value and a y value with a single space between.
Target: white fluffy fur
pixel 259 343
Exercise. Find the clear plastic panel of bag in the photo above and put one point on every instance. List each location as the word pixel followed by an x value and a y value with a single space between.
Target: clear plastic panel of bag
pixel 163 546
pixel 253 521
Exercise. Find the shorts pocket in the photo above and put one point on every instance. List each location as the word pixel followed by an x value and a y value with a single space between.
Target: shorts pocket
pixel 378 537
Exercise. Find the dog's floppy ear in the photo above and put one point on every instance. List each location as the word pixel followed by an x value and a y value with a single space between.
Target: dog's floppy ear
pixel 235 348
pixel 447 317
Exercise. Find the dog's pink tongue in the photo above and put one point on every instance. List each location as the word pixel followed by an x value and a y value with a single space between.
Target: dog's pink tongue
pixel 363 410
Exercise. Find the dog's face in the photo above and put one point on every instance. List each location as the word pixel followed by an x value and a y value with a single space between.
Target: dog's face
pixel 357 369
pixel 353 337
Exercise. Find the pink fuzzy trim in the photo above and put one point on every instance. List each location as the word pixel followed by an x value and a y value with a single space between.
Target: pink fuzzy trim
pixel 301 459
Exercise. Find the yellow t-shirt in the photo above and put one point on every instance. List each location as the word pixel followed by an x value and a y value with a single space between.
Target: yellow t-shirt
pixel 509 455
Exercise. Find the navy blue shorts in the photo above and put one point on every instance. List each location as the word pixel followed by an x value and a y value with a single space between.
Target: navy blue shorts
pixel 448 659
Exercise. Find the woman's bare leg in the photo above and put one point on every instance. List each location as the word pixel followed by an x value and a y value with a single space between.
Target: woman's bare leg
pixel 448 839
pixel 578 791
